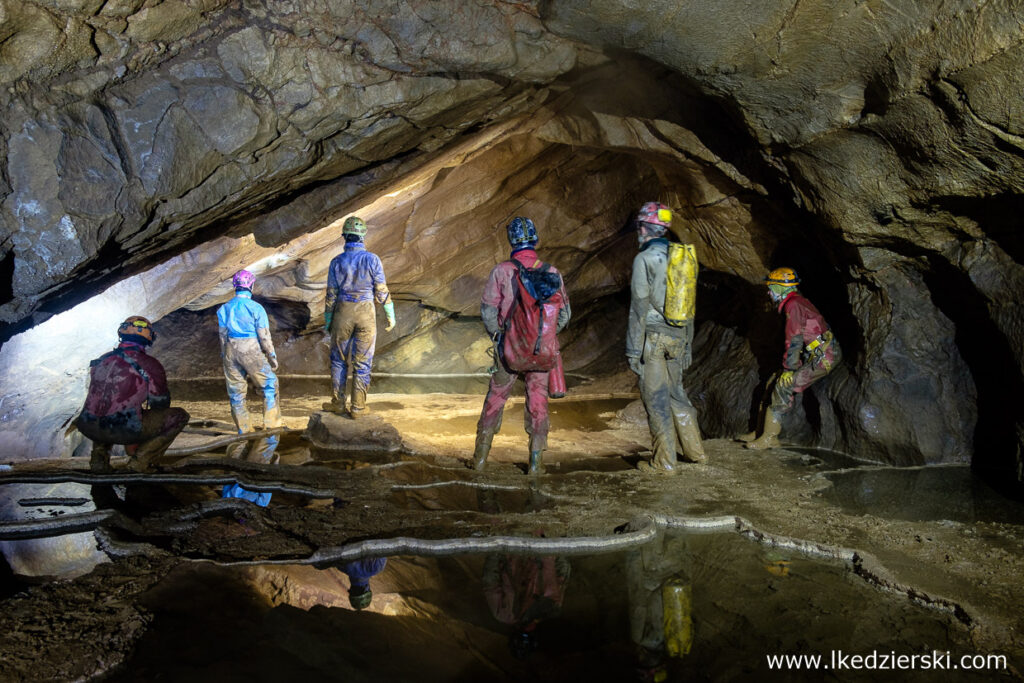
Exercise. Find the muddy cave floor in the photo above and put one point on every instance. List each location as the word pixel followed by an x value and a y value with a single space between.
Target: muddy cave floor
pixel 932 539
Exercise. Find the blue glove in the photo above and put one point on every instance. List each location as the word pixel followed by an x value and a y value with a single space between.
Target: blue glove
pixel 328 316
pixel 389 311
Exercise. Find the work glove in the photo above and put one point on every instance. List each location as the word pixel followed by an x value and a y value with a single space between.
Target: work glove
pixel 635 365
pixel 273 361
pixel 389 311
pixel 786 379
pixel 328 316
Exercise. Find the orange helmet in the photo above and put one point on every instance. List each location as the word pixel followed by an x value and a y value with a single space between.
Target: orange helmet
pixel 786 277
pixel 137 329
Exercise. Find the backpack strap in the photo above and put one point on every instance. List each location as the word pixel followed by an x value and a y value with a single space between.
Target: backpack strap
pixel 120 353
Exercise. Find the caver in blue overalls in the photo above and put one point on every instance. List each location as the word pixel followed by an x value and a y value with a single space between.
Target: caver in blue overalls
pixel 248 353
pixel 354 280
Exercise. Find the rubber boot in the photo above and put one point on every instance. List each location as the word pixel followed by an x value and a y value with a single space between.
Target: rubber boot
pixel 689 440
pixel 99 459
pixel 150 451
pixel 272 417
pixel 240 414
pixel 770 436
pixel 748 437
pixel 653 468
pixel 358 408
pixel 536 466
pixel 483 449
pixel 334 406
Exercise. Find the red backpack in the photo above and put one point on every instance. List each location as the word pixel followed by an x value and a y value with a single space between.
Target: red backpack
pixel 531 341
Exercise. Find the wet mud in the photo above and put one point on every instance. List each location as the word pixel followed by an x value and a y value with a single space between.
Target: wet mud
pixel 814 552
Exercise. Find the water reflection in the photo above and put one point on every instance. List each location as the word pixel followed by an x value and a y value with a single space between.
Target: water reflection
pixel 921 494
pixel 359 574
pixel 263 450
pixel 522 591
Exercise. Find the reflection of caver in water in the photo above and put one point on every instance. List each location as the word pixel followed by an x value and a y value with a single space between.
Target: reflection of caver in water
pixel 359 573
pixel 658 347
pixel 355 279
pixel 660 616
pixel 248 353
pixel 128 401
pixel 812 352
pixel 522 591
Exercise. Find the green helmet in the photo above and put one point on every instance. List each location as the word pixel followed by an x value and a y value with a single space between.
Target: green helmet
pixel 354 225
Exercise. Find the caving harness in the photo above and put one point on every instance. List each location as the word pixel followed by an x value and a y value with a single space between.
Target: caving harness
pixel 815 350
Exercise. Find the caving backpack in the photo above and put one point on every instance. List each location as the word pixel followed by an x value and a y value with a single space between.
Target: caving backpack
pixel 530 342
pixel 680 284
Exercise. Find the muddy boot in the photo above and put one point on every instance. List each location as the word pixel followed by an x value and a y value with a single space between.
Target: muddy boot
pixel 240 414
pixel 770 436
pixel 358 407
pixel 748 437
pixel 334 406
pixel 536 467
pixel 99 459
pixel 272 417
pixel 149 452
pixel 688 437
pixel 483 448
pixel 236 450
pixel 652 468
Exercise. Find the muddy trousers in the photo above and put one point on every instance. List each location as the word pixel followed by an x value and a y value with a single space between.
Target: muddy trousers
pixel 145 444
pixel 784 398
pixel 244 360
pixel 353 337
pixel 670 415
pixel 536 418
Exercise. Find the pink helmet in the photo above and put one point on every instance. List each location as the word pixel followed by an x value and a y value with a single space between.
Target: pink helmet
pixel 243 279
pixel 655 213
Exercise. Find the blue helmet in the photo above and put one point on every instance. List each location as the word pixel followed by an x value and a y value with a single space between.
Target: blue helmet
pixel 521 233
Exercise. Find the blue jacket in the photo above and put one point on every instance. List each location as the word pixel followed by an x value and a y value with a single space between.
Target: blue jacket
pixel 242 316
pixel 356 275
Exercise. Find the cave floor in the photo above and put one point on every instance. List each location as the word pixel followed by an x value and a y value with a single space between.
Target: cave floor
pixel 929 537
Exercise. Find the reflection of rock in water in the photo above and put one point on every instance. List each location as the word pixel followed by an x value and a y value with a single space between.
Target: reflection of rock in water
pixel 920 494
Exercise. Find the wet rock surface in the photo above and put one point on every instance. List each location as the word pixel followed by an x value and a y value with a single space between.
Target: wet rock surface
pixel 334 432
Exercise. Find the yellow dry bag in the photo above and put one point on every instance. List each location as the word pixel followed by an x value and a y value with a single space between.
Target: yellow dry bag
pixel 681 284
pixel 676 605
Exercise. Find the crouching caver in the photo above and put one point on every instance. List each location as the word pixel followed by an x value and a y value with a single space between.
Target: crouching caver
pixel 524 324
pixel 812 352
pixel 128 401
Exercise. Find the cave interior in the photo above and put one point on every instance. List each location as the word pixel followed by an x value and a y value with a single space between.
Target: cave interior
pixel 152 148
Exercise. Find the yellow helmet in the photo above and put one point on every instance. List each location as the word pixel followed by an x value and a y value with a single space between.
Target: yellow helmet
pixel 786 277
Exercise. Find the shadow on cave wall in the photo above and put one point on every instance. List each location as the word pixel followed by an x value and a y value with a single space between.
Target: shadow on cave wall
pixel 188 343
pixel 993 365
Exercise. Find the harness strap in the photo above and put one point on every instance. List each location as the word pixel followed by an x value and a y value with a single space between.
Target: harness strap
pixel 120 353
pixel 821 340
